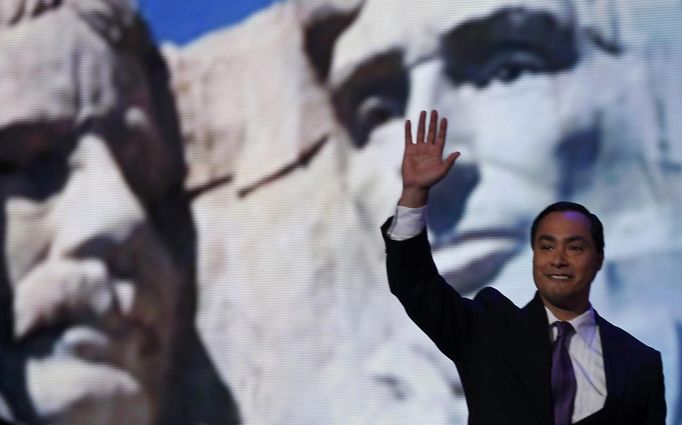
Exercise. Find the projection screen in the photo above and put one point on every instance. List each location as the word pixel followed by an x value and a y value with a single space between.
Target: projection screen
pixel 192 195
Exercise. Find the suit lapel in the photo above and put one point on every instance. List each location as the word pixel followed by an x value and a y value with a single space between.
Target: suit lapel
pixel 530 357
pixel 616 358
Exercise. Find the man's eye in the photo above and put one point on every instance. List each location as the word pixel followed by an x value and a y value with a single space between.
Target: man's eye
pixel 546 247
pixel 576 248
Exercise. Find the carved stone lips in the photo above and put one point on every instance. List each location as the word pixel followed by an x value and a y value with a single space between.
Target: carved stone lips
pixel 472 260
pixel 474 235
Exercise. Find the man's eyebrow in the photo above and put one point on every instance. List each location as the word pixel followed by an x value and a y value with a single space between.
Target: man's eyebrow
pixel 546 238
pixel 469 45
pixel 576 238
pixel 568 239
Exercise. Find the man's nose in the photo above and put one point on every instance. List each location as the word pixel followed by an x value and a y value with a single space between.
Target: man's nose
pixel 559 258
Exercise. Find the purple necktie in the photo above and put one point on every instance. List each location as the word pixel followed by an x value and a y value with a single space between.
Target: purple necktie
pixel 563 378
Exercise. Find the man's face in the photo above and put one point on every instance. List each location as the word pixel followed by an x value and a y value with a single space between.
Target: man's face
pixel 565 260
pixel 514 79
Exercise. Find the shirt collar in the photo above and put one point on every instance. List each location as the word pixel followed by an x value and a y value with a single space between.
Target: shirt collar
pixel 585 325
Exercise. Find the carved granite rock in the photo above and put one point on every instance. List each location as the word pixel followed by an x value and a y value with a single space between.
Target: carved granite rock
pixel 294 304
pixel 294 132
pixel 97 291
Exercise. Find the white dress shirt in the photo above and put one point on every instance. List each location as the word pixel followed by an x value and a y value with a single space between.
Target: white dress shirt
pixel 584 345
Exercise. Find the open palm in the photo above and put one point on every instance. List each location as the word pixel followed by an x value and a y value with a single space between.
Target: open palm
pixel 423 163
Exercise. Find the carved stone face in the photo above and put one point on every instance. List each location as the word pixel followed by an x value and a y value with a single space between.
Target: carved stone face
pixel 91 207
pixel 529 92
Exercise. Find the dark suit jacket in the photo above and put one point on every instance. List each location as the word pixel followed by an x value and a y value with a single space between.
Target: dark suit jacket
pixel 502 352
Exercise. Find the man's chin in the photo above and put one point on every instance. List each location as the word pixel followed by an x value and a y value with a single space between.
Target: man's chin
pixel 568 302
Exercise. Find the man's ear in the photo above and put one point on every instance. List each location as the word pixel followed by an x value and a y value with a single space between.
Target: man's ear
pixel 320 35
pixel 600 260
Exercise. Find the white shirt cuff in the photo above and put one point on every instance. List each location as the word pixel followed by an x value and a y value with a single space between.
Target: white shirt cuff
pixel 407 223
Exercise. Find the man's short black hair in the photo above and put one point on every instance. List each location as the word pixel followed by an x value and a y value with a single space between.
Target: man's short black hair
pixel 596 228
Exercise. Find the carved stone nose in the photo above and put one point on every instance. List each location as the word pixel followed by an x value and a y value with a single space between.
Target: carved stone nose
pixel 448 198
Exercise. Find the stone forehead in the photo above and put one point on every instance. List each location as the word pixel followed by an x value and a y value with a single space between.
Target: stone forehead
pixel 60 65
pixel 415 27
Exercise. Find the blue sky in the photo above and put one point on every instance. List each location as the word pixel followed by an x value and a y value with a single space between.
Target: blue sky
pixel 181 21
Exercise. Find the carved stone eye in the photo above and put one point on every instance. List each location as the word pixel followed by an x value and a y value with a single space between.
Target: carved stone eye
pixel 508 73
pixel 375 111
pixel 511 65
pixel 375 92
pixel 506 45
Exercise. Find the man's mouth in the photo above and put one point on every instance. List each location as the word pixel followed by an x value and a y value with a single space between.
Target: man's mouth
pixel 560 276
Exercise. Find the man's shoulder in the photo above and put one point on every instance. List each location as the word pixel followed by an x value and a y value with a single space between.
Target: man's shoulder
pixel 494 299
pixel 490 293
pixel 500 309
pixel 625 340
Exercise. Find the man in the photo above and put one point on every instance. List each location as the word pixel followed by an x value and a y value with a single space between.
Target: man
pixel 511 371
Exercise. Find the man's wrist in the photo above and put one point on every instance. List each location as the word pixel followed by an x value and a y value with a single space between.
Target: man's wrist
pixel 412 197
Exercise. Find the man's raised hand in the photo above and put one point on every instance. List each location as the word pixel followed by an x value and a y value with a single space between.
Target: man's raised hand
pixel 423 164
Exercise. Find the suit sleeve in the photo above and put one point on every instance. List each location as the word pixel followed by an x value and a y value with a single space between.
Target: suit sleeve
pixel 436 307
pixel 656 410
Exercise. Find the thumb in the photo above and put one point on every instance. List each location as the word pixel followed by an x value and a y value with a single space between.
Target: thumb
pixel 450 160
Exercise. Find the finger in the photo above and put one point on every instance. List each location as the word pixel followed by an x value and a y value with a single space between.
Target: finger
pixel 449 162
pixel 442 132
pixel 433 124
pixel 408 132
pixel 420 127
